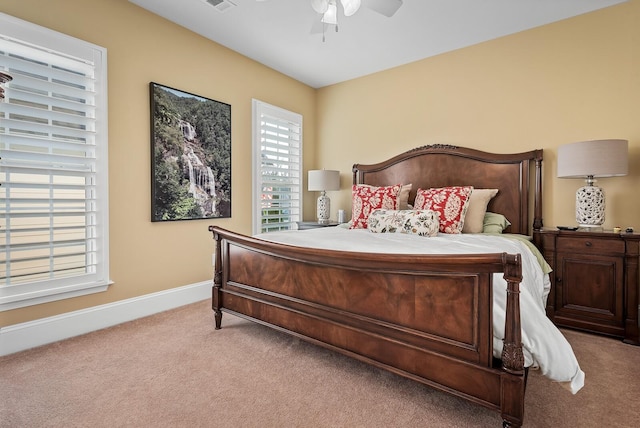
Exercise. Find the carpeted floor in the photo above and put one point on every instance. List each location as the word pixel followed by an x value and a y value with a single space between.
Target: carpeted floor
pixel 174 370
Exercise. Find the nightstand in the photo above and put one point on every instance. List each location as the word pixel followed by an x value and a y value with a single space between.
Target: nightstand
pixel 303 225
pixel 595 280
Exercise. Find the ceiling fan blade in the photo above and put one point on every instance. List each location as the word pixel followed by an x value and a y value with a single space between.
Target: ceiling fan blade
pixel 320 6
pixel 350 6
pixel 385 7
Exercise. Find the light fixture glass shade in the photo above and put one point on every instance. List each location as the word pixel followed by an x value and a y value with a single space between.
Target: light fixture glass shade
pixel 331 15
pixel 350 6
pixel 320 181
pixel 589 159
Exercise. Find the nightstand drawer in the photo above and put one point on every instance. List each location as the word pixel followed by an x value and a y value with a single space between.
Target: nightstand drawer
pixel 591 245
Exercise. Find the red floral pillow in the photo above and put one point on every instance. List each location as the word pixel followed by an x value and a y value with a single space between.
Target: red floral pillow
pixel 368 198
pixel 450 202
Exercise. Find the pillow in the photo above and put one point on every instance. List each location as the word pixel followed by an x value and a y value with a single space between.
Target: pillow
pixel 403 197
pixel 494 223
pixel 417 222
pixel 450 202
pixel 478 202
pixel 367 198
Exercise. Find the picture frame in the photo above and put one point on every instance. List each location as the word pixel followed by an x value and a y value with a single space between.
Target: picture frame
pixel 190 156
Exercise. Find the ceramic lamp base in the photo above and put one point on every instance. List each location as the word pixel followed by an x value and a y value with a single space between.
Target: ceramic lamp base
pixel 590 206
pixel 323 209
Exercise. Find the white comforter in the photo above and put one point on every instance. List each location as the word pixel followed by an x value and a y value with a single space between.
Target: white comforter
pixel 544 345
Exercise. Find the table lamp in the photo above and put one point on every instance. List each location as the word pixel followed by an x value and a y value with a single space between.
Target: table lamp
pixel 321 181
pixel 590 159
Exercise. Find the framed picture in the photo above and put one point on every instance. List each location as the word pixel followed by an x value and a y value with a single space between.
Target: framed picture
pixel 190 156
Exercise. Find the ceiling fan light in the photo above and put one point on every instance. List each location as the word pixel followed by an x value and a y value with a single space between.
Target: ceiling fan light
pixel 331 15
pixel 350 6
pixel 320 6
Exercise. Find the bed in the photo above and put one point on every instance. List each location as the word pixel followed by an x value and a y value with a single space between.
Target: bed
pixel 431 317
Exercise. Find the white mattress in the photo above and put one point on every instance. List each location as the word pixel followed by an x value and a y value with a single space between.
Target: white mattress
pixel 545 348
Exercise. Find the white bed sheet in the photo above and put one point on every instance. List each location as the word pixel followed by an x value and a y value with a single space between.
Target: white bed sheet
pixel 544 346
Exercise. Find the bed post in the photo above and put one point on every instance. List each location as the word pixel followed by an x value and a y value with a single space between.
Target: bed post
pixel 512 357
pixel 217 278
pixel 513 385
pixel 537 207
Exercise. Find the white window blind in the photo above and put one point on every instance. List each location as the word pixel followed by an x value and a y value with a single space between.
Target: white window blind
pixel 277 154
pixel 53 166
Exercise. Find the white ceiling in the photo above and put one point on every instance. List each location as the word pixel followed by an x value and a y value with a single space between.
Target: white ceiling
pixel 277 33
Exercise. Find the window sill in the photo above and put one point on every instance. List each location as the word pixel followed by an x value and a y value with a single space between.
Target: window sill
pixel 8 303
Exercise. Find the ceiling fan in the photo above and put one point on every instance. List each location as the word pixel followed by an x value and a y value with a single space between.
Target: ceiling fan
pixel 329 11
pixel 349 7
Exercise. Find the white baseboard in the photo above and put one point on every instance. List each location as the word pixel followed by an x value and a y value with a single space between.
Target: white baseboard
pixel 18 337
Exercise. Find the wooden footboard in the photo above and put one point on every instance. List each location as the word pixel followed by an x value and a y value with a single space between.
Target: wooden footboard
pixel 428 318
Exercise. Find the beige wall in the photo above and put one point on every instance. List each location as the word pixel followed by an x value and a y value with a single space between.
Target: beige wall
pixel 574 80
pixel 142 47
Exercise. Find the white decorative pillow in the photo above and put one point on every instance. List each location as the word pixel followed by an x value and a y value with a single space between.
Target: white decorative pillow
pixel 418 222
pixel 478 201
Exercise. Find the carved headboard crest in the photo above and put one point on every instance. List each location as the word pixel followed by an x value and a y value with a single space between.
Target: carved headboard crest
pixel 435 146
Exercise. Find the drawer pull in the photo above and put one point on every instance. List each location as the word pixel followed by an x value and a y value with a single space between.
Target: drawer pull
pixel 588 243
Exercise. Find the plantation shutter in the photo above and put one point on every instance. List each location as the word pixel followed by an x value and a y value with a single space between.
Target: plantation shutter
pixel 54 190
pixel 278 166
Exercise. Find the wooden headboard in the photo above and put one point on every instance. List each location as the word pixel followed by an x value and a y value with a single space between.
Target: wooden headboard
pixel 441 165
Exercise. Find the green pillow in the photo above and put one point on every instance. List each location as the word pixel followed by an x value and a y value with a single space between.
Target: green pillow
pixel 494 223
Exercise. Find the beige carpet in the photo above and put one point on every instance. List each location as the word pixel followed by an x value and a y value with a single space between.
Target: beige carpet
pixel 174 370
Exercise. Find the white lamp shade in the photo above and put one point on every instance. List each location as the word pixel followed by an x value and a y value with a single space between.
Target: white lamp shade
pixel 323 179
pixel 597 158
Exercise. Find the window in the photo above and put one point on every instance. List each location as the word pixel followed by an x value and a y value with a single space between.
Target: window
pixel 54 226
pixel 277 168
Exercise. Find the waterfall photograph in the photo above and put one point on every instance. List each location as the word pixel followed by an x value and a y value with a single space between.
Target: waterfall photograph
pixel 190 156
